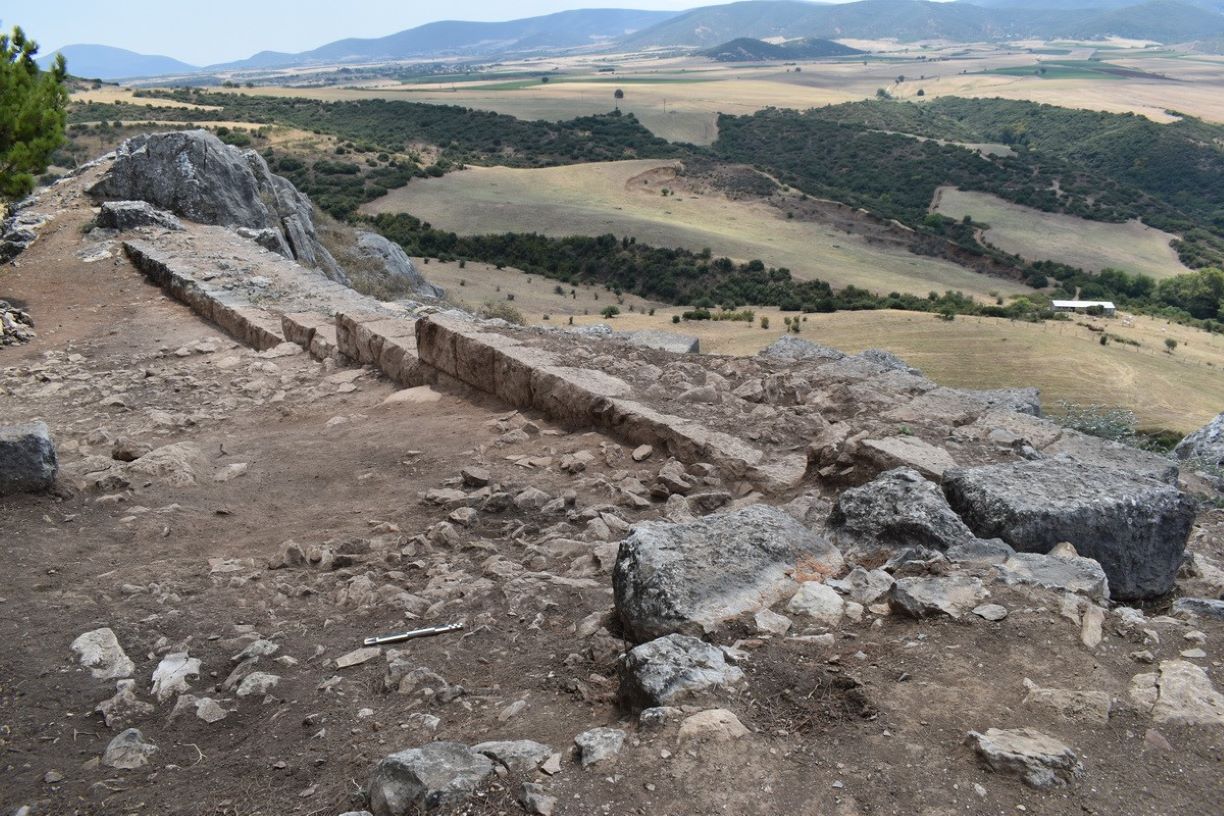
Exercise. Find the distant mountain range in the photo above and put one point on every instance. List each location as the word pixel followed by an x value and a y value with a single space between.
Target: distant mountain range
pixel 105 62
pixel 552 32
pixel 1169 21
pixel 746 49
pixel 909 20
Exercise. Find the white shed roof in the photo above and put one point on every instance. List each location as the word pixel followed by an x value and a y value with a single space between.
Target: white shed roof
pixel 1082 304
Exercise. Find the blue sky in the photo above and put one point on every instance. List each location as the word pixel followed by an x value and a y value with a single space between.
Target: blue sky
pixel 223 30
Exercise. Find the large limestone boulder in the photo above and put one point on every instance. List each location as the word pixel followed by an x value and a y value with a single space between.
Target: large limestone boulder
pixel 1206 444
pixel 691 577
pixel 1136 527
pixel 396 263
pixel 436 776
pixel 27 458
pixel 900 508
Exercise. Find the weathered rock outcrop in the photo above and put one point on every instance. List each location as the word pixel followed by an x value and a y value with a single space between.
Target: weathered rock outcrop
pixel 689 578
pixel 27 458
pixel 195 175
pixel 1136 527
pixel 16 325
pixel 664 341
pixel 1206 444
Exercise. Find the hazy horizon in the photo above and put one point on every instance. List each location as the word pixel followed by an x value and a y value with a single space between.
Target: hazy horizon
pixel 234 31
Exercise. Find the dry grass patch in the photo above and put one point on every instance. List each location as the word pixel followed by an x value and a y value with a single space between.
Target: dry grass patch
pixel 1041 236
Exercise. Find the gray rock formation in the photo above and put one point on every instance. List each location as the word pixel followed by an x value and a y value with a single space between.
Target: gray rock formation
pixel 1020 400
pixel 664 341
pixel 195 175
pixel 396 263
pixel 676 670
pixel 19 229
pixel 437 775
pixel 1200 607
pixel 598 745
pixel 889 361
pixel 519 756
pixel 1135 527
pixel 16 325
pixel 899 509
pixel 27 458
pixel 1205 444
pixel 1041 762
pixel 690 577
pixel 125 215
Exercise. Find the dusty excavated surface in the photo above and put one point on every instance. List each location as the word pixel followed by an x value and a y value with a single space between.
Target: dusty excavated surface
pixel 869 721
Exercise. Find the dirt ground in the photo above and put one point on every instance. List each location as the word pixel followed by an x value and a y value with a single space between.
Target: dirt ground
pixel 873 724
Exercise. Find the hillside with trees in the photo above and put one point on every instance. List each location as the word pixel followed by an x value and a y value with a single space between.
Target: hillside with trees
pixel 746 49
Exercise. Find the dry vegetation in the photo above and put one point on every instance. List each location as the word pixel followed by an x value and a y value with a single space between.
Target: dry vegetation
pixel 1042 236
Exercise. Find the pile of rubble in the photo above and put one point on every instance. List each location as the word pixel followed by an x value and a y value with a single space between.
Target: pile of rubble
pixel 16 325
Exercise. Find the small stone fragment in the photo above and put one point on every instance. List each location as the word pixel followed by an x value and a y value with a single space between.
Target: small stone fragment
pixel 128 751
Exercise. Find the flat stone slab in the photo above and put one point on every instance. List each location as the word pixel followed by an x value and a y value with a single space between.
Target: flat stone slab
pixel 1040 761
pixel 1057 572
pixel 691 577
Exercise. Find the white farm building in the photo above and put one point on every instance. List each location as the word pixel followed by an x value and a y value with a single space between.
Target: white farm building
pixel 1082 306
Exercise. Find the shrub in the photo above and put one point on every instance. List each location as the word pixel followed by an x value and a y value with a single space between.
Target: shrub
pixel 610 311
pixel 764 322
pixel 503 311
pixel 1170 344
pixel 1107 422
pixel 675 318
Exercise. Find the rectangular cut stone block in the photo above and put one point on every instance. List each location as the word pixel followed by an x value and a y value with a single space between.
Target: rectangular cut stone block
pixel 1135 526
